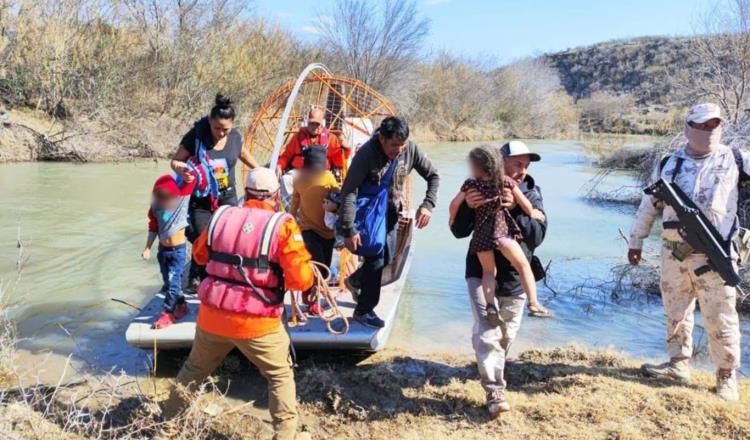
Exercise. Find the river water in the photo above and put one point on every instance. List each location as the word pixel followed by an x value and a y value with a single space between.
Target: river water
pixel 83 227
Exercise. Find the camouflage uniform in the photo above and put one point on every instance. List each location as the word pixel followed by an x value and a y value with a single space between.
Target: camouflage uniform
pixel 712 183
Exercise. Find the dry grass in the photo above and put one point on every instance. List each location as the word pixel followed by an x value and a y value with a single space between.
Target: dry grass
pixel 561 393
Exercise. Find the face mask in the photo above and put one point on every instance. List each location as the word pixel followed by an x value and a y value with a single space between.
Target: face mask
pixel 701 143
pixel 330 220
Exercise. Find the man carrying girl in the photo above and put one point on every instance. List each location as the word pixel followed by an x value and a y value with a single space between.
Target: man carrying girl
pixel 491 343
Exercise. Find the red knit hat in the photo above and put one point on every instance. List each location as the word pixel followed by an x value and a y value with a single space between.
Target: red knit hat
pixel 168 185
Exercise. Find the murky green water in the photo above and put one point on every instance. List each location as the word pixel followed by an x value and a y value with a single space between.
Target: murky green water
pixel 84 227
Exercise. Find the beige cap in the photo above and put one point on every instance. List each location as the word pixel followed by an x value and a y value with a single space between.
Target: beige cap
pixel 262 180
pixel 703 112
pixel 317 115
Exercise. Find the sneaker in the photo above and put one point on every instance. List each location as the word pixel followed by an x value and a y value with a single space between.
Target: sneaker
pixel 726 385
pixel 677 370
pixel 493 317
pixel 352 287
pixel 497 403
pixel 369 320
pixel 314 309
pixel 180 311
pixel 165 320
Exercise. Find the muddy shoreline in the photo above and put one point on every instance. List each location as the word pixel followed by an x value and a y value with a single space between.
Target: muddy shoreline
pixel 560 393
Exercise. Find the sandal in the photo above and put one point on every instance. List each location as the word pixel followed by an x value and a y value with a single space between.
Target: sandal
pixel 537 311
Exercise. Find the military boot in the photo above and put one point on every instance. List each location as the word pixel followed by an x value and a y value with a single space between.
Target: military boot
pixel 674 369
pixel 726 385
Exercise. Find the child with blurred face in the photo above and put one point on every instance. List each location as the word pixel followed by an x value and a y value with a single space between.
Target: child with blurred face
pixel 168 218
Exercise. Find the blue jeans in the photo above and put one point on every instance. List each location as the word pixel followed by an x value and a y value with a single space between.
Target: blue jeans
pixel 172 264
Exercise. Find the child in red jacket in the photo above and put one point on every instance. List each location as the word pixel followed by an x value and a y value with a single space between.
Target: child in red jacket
pixel 167 219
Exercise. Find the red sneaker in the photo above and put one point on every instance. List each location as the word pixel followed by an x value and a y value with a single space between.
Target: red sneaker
pixel 314 309
pixel 165 320
pixel 180 311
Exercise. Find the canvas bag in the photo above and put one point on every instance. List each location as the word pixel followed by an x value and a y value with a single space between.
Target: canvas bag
pixel 372 208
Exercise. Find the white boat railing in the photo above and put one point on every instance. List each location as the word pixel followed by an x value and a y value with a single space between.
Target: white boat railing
pixel 279 140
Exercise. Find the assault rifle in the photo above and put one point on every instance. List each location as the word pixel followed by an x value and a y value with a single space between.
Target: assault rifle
pixel 697 230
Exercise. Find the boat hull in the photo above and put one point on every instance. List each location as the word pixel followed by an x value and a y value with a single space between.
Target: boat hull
pixel 311 335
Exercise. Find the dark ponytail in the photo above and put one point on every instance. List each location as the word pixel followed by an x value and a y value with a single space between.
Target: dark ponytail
pixel 223 108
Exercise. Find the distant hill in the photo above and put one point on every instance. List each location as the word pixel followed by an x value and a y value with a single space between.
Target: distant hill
pixel 628 86
pixel 641 67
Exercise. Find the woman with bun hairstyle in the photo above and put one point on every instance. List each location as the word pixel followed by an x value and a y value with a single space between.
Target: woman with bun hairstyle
pixel 214 143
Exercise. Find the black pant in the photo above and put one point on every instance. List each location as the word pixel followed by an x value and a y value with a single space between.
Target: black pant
pixel 321 249
pixel 199 213
pixel 370 275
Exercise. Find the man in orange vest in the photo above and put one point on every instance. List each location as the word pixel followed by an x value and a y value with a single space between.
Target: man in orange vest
pixel 252 255
pixel 314 133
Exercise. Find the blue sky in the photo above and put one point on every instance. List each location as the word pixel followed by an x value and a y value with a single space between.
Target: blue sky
pixel 508 30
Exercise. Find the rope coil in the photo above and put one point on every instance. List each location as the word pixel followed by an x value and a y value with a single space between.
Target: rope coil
pixel 321 290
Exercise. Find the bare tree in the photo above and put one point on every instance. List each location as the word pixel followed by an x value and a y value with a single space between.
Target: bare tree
pixel 724 53
pixel 531 102
pixel 373 41
pixel 452 94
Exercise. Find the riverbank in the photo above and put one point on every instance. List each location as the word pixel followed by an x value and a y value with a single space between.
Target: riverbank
pixel 560 393
pixel 32 136
pixel 29 136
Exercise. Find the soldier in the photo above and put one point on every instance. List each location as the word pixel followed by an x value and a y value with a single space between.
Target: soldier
pixel 709 173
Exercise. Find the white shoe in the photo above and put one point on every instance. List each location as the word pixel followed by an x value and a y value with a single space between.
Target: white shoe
pixel 497 403
pixel 726 385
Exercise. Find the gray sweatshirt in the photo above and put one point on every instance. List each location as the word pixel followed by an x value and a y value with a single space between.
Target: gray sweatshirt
pixel 165 223
pixel 370 164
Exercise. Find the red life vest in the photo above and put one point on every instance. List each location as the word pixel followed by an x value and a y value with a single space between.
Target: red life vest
pixel 243 269
pixel 305 141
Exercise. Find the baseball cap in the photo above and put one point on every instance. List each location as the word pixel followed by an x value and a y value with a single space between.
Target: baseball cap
pixel 518 148
pixel 262 180
pixel 703 112
pixel 316 115
pixel 314 158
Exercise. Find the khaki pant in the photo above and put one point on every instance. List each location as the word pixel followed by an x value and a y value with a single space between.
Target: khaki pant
pixel 270 353
pixel 680 287
pixel 491 344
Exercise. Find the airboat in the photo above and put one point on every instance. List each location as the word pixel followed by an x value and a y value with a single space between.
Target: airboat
pixel 353 110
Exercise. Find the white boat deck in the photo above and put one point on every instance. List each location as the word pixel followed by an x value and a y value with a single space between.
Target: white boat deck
pixel 310 335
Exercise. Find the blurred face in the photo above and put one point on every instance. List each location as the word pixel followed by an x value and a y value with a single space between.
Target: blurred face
pixel 476 172
pixel 165 200
pixel 517 167
pixel 312 172
pixel 314 128
pixel 709 125
pixel 220 128
pixel 392 147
